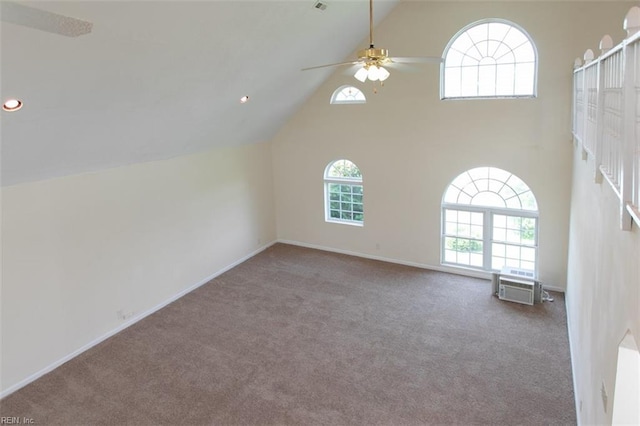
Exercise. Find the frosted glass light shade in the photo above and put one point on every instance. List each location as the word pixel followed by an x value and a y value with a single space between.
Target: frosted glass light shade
pixel 383 74
pixel 374 73
pixel 361 74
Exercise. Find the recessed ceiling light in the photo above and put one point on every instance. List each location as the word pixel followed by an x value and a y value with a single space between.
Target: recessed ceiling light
pixel 12 105
pixel 244 99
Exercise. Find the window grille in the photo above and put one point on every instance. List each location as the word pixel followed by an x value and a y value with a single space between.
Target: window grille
pixel 489 59
pixel 344 193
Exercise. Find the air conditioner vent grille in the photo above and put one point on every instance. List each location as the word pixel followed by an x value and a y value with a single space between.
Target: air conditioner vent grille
pixel 516 272
pixel 515 290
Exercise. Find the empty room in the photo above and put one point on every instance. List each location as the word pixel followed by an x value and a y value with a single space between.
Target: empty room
pixel 351 212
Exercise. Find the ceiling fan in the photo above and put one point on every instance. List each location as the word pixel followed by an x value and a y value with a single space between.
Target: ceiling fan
pixel 39 19
pixel 371 61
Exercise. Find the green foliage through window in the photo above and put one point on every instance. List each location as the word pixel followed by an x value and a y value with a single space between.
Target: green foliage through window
pixel 344 169
pixel 464 245
pixel 489 221
pixel 344 192
pixel 346 202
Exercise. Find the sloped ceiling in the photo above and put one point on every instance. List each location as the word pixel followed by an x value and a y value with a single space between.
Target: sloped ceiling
pixel 160 79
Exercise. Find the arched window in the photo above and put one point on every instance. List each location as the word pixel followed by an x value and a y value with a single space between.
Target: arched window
pixel 489 221
pixel 489 59
pixel 343 193
pixel 348 95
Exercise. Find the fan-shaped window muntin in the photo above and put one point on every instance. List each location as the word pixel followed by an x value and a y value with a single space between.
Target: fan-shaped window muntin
pixel 348 95
pixel 490 58
pixel 344 193
pixel 489 221
pixel 491 187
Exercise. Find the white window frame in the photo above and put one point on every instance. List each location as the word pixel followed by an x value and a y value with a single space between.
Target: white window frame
pixel 463 31
pixel 358 93
pixel 487 235
pixel 488 213
pixel 352 182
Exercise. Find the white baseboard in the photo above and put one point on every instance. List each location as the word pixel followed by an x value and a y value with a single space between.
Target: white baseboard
pixel 573 365
pixel 457 271
pixel 128 323
pixel 552 288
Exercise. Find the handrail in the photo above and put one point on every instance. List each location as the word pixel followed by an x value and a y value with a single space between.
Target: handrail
pixel 605 114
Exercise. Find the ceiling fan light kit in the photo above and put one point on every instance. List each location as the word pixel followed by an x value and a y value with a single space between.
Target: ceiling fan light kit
pixel 373 60
pixel 372 72
pixel 372 68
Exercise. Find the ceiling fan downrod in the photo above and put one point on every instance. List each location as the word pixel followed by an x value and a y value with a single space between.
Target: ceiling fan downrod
pixel 371 24
pixel 372 55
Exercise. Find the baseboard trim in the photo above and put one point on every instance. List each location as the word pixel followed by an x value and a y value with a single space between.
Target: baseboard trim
pixel 573 363
pixel 552 288
pixel 128 323
pixel 456 271
pixel 135 319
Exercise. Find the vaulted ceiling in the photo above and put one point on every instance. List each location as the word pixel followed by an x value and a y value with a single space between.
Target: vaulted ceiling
pixel 158 79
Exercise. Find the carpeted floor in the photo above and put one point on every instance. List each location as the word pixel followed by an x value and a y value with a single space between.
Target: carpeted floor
pixel 300 336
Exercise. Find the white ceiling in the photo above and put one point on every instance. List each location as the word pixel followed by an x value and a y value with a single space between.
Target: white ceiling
pixel 158 79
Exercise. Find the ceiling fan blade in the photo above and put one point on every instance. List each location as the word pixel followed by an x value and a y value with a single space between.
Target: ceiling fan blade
pixel 330 65
pixel 42 20
pixel 350 70
pixel 417 60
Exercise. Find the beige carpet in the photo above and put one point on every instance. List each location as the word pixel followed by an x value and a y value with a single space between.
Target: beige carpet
pixel 300 336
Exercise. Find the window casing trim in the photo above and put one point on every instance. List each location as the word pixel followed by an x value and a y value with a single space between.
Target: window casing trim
pixel 488 21
pixel 505 211
pixel 487 239
pixel 473 98
pixel 347 181
pixel 355 101
pixel 327 201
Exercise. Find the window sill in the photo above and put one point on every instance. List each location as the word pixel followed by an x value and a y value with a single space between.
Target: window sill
pixel 505 97
pixel 342 222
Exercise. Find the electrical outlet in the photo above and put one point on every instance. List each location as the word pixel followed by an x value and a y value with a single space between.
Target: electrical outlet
pixel 377 246
pixel 122 315
pixel 320 5
pixel 605 397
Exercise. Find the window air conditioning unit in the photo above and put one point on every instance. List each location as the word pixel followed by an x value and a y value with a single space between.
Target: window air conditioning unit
pixel 517 285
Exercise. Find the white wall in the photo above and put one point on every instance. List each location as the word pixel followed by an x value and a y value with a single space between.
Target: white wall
pixel 78 249
pixel 410 145
pixel 603 290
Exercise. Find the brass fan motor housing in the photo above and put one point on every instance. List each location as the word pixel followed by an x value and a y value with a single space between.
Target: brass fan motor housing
pixel 373 54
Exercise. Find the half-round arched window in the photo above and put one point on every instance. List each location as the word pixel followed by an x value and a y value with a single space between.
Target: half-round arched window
pixel 348 95
pixel 343 193
pixel 490 221
pixel 488 59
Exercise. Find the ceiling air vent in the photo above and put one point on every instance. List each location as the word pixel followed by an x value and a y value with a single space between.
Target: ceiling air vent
pixel 320 5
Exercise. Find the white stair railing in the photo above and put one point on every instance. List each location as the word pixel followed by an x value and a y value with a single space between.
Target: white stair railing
pixel 606 115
